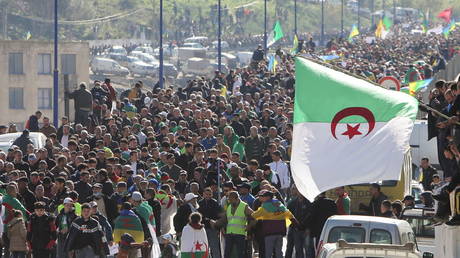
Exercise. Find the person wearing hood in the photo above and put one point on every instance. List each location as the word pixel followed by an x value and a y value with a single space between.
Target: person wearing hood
pixel 63 222
pixel 343 201
pixel 17 234
pixel 23 140
pixel 230 137
pixel 184 211
pixel 194 242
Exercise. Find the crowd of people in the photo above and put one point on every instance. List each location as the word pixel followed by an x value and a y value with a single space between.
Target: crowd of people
pixel 197 168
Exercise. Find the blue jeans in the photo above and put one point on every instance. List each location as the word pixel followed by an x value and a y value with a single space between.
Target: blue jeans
pixel 299 241
pixel 274 245
pixel 17 254
pixel 235 241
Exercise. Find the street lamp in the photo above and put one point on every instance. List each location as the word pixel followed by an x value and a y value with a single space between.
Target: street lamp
pixel 55 71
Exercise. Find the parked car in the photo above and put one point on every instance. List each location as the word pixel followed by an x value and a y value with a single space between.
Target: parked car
pixel 224 45
pixel 100 65
pixel 6 140
pixel 118 50
pixel 144 49
pixel 200 39
pixel 203 67
pixel 185 53
pixel 146 58
pixel 142 69
pixel 193 45
pixel 170 70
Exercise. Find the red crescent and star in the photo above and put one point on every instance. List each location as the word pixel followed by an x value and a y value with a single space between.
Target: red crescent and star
pixel 353 130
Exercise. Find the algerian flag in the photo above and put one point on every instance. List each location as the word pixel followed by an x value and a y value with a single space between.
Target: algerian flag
pixel 275 35
pixel 353 33
pixel 194 243
pixel 28 35
pixel 346 130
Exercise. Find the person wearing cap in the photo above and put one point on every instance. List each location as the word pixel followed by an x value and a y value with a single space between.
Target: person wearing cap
pixel 169 205
pixel 3 129
pixel 244 190
pixel 106 227
pixel 272 216
pixel 120 196
pixel 170 248
pixel 190 205
pixel 41 232
pixel 27 197
pixel 171 168
pixel 409 201
pixel 86 238
pixel 107 185
pixel 142 209
pixel 150 194
pixel 107 208
pixel 63 222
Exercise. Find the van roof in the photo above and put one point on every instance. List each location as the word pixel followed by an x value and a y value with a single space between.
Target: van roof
pixel 359 218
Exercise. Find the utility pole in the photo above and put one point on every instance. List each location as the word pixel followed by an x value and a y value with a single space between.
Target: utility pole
pixel 383 8
pixel 372 13
pixel 219 36
pixel 359 14
pixel 394 10
pixel 55 71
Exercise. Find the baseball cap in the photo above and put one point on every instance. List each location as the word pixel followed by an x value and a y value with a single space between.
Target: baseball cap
pixel 408 198
pixel 245 185
pixel 68 200
pixel 97 185
pixel 136 196
pixel 190 196
pixel 93 204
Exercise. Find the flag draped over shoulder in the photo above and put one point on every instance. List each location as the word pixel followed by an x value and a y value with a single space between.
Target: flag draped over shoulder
pixel 346 130
pixel 273 210
pixel 276 34
pixel 146 212
pixel 353 33
pixel 128 222
pixel 194 243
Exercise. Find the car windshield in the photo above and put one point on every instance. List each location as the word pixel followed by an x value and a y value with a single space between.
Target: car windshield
pixel 349 234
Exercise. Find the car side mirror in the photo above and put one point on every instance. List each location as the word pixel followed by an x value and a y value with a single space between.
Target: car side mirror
pixel 428 255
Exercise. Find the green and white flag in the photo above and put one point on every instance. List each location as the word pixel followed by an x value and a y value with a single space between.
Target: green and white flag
pixel 275 35
pixel 346 130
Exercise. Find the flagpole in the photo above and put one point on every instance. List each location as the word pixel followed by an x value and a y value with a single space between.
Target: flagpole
pixel 295 17
pixel 359 17
pixel 383 8
pixel 56 72
pixel 265 27
pixel 372 13
pixel 161 82
pixel 394 10
pixel 322 23
pixel 219 38
pixel 341 20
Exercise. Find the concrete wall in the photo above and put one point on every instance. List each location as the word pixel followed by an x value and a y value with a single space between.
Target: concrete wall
pixel 31 80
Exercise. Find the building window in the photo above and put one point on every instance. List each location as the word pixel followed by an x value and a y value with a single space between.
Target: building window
pixel 16 98
pixel 68 63
pixel 44 63
pixel 15 63
pixel 44 98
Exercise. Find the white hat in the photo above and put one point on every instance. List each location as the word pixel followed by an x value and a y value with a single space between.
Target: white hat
pixel 136 196
pixel 68 200
pixel 190 196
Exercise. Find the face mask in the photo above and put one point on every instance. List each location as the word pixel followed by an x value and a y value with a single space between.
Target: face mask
pixel 97 194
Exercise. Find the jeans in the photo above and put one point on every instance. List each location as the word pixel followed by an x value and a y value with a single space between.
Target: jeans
pixel 274 244
pixel 295 241
pixel 235 241
pixel 214 242
pixel 81 117
pixel 85 252
pixel 41 253
pixel 17 254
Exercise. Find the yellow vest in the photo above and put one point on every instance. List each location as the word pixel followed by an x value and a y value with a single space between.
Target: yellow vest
pixel 237 222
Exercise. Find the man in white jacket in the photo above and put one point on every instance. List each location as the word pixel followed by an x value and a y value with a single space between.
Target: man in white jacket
pixel 281 168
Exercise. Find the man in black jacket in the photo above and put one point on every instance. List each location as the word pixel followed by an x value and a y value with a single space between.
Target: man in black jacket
pixel 376 201
pixel 322 209
pixel 210 209
pixel 298 234
pixel 86 238
pixel 83 102
pixel 23 140
pixel 82 187
pixel 41 232
pixel 25 195
pixel 33 122
pixel 156 207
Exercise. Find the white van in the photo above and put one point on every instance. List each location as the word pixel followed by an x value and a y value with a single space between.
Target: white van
pixel 101 65
pixel 343 249
pixel 6 140
pixel 366 229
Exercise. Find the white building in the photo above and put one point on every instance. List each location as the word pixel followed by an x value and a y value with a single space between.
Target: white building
pixel 26 77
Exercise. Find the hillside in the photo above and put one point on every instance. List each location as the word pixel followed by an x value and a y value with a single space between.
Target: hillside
pixel 106 19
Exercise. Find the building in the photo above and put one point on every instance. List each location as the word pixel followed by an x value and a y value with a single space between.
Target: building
pixel 26 77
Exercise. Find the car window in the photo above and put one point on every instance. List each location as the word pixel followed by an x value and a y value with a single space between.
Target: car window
pixel 349 234
pixel 380 236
